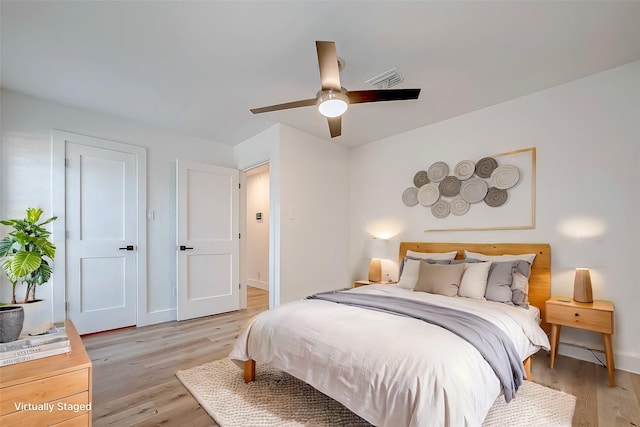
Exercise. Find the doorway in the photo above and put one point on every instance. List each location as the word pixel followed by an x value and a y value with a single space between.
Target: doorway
pixel 207 218
pixel 98 194
pixel 256 260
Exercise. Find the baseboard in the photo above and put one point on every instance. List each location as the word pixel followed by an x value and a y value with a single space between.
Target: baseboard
pixel 258 284
pixel 624 362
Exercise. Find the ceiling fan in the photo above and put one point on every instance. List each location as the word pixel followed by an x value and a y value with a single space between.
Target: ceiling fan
pixel 333 99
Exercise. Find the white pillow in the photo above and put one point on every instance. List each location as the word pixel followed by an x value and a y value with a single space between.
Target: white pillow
pixel 410 273
pixel 520 290
pixel 482 257
pixel 474 280
pixel 433 255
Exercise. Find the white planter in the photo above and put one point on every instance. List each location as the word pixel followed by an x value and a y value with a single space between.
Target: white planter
pixel 37 317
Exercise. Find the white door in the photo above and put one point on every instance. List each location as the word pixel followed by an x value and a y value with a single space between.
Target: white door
pixel 207 240
pixel 101 243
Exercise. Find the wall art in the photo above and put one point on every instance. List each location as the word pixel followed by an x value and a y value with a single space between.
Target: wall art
pixel 496 192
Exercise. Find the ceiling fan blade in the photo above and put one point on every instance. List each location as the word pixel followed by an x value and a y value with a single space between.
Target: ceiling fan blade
pixel 285 106
pixel 328 64
pixel 360 96
pixel 335 126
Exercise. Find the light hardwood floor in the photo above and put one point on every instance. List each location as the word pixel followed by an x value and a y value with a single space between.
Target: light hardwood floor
pixel 134 382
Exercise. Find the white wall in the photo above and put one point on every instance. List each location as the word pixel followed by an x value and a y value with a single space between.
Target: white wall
pixel 588 148
pixel 314 215
pixel 257 254
pixel 25 171
pixel 309 210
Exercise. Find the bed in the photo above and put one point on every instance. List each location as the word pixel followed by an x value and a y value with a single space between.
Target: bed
pixel 395 370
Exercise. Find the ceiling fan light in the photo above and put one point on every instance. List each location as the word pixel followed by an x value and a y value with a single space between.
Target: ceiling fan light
pixel 332 103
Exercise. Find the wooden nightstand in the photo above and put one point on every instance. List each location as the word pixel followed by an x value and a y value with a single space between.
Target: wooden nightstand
pixel 359 283
pixel 596 316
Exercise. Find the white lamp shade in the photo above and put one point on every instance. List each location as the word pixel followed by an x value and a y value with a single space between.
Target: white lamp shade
pixel 377 248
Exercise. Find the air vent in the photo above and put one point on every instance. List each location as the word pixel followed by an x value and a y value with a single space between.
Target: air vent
pixel 387 79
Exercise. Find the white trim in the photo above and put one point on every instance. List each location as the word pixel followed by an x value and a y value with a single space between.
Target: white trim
pixel 256 165
pixel 625 362
pixel 58 202
pixel 260 284
pixel 58 197
pixel 242 244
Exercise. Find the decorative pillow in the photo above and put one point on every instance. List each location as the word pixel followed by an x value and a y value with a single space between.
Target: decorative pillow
pixel 501 277
pixel 482 257
pixel 439 279
pixel 520 290
pixel 410 269
pixel 474 280
pixel 429 260
pixel 432 255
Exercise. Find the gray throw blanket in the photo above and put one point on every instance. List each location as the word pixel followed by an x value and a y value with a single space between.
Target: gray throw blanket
pixel 494 345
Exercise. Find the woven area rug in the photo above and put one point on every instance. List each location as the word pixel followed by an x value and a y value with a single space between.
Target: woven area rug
pixel 278 399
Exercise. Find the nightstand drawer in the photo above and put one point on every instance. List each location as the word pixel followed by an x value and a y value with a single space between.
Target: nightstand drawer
pixel 44 390
pixel 584 318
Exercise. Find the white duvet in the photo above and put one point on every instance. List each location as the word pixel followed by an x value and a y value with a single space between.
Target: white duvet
pixel 390 370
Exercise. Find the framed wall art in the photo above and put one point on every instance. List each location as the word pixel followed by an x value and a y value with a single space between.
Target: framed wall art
pixel 496 192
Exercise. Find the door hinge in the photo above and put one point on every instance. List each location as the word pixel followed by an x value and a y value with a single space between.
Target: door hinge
pixel 66 163
pixel 239 285
pixel 239 236
pixel 66 306
pixel 239 186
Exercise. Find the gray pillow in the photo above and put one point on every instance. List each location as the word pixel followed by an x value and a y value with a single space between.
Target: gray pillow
pixel 501 278
pixel 439 279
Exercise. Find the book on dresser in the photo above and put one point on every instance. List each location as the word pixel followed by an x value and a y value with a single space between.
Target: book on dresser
pixel 28 348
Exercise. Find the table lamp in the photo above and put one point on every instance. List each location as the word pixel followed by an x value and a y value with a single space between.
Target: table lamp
pixel 377 249
pixel 582 286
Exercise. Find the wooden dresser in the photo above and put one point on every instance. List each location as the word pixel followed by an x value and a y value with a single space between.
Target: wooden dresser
pixel 53 390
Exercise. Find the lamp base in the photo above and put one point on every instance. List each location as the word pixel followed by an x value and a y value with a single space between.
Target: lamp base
pixel 582 293
pixel 582 286
pixel 375 270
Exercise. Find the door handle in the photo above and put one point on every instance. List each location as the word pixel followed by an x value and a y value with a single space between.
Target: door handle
pixel 127 248
pixel 184 248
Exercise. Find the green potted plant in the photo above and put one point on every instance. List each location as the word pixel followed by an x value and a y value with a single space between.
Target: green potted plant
pixel 27 254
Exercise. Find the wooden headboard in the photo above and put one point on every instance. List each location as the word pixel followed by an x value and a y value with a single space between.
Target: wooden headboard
pixel 539 281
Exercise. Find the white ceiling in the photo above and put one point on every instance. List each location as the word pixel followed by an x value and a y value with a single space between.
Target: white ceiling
pixel 198 67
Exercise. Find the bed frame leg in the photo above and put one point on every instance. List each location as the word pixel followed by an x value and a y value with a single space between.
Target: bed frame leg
pixel 249 370
pixel 527 367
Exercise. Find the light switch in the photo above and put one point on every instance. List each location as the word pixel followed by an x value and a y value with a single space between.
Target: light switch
pixel 151 214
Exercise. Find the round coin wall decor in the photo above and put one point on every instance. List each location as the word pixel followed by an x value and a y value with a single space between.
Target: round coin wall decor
pixel 495 197
pixel 473 190
pixel 459 206
pixel 438 171
pixel 470 183
pixel 428 194
pixel 420 179
pixel 450 186
pixel 410 196
pixel 485 167
pixel 464 170
pixel 440 209
pixel 505 177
